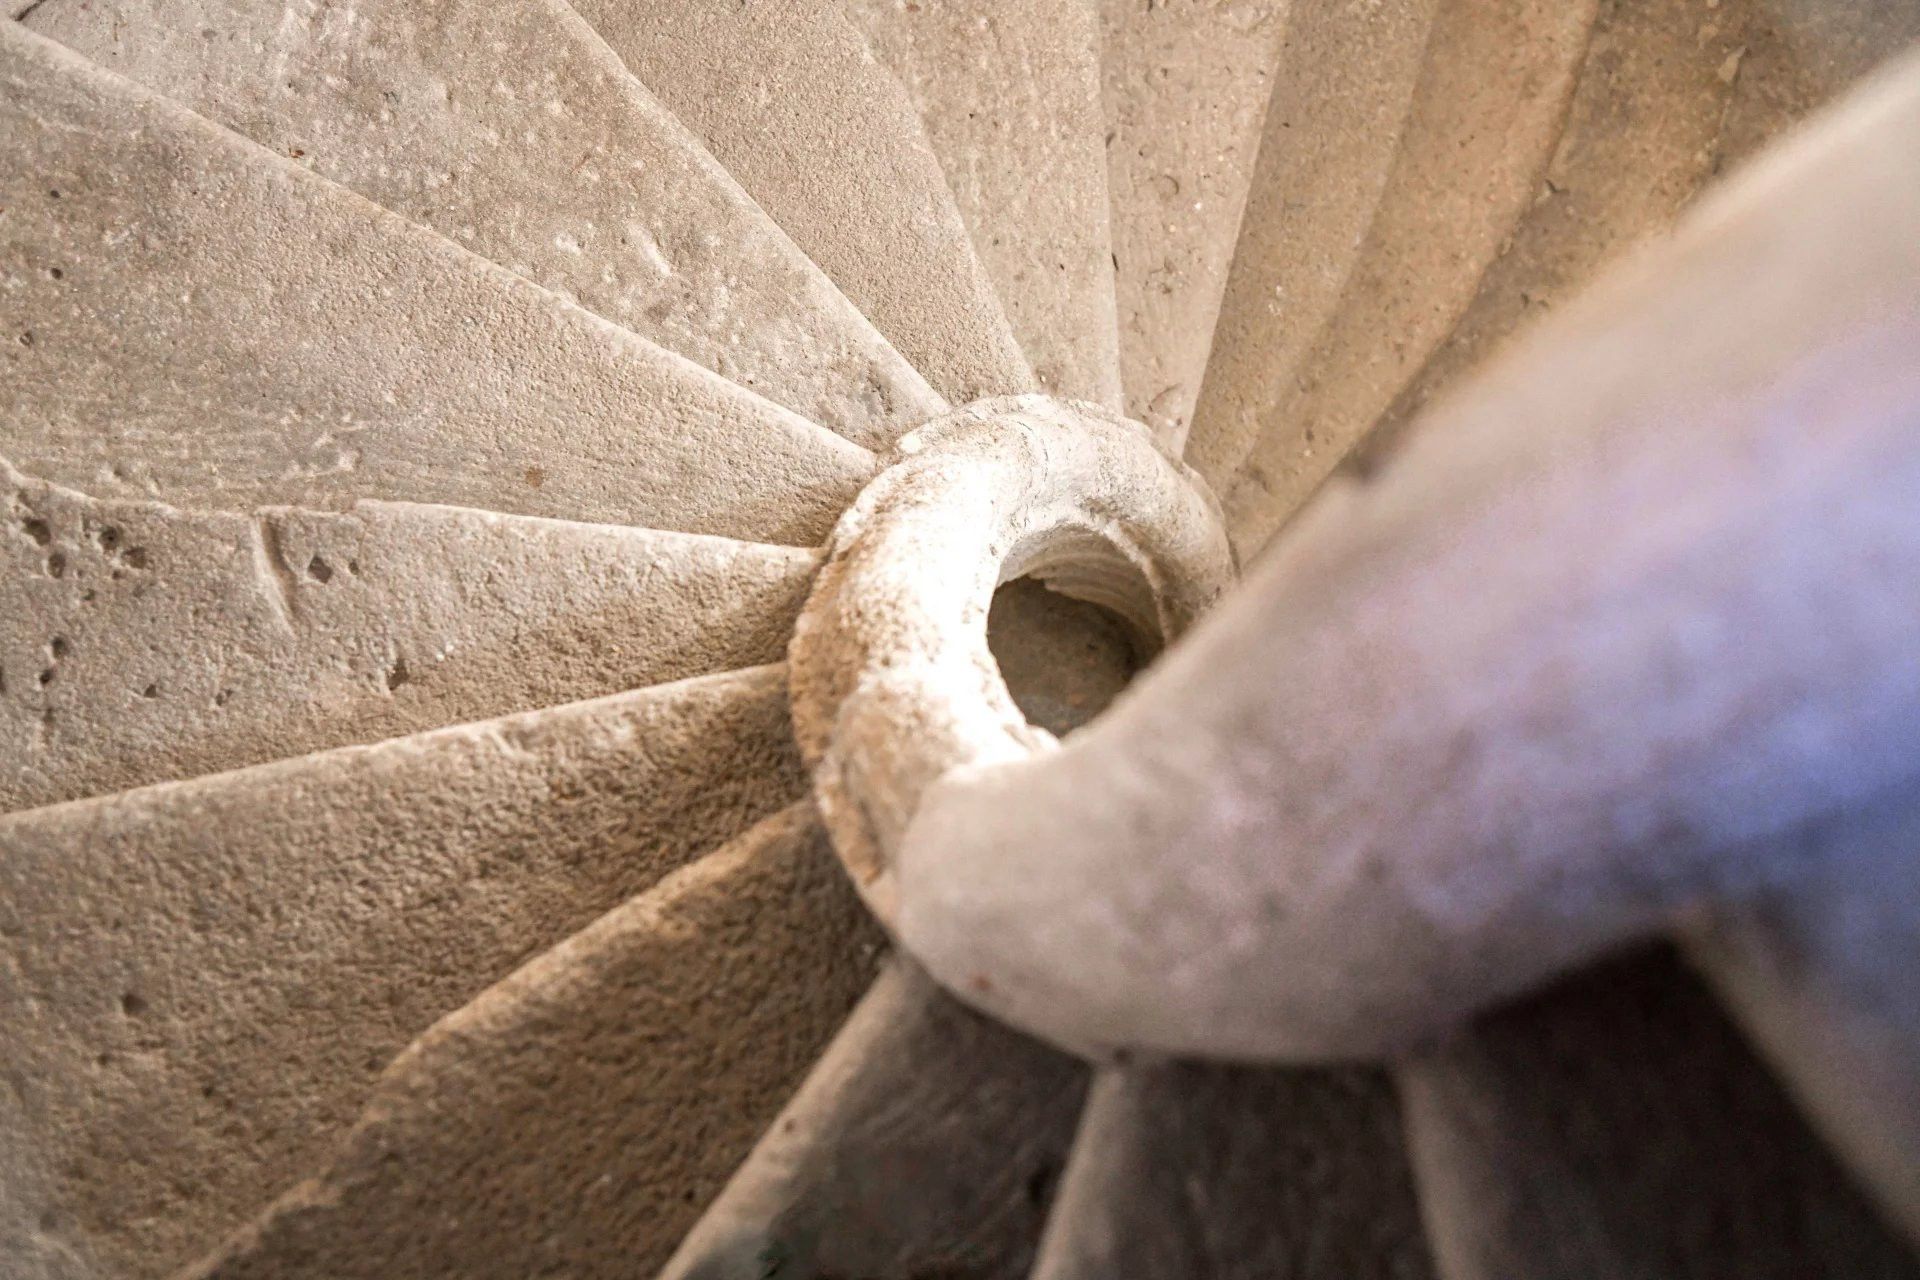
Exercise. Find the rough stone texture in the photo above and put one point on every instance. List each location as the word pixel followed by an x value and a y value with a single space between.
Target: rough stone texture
pixel 204 978
pixel 210 974
pixel 1490 98
pixel 1615 1128
pixel 1634 604
pixel 786 95
pixel 571 1120
pixel 925 1143
pixel 894 685
pixel 192 318
pixel 140 643
pixel 1010 98
pixel 1236 1174
pixel 1186 86
pixel 1343 91
pixel 1670 97
pixel 514 131
pixel 1644 132
pixel 1063 660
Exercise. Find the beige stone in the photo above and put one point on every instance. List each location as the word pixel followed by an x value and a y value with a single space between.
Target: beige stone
pixel 1486 111
pixel 574 1116
pixel 1604 640
pixel 1184 1170
pixel 1185 86
pixel 141 643
pixel 1010 99
pixel 1616 1125
pixel 515 132
pixel 226 329
pixel 926 1134
pixel 894 683
pixel 790 100
pixel 204 979
pixel 1623 616
pixel 1343 90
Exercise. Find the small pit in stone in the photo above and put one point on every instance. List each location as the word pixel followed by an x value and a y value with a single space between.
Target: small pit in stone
pixel 1062 659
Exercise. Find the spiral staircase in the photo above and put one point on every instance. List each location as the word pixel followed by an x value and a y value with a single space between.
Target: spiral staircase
pixel 508 504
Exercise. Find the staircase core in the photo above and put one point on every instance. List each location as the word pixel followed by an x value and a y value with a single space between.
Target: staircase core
pixel 893 683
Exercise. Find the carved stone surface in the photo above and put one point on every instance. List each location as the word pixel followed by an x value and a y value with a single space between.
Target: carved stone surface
pixel 420 421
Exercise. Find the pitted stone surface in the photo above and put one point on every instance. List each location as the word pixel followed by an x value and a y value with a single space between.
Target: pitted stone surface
pixel 296 345
pixel 215 972
pixel 1186 86
pixel 789 99
pixel 572 1119
pixel 512 130
pixel 141 643
pixel 1009 95
pixel 205 340
pixel 893 682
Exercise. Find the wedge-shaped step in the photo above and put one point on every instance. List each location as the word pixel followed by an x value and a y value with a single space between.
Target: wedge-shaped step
pixel 515 131
pixel 1616 1126
pixel 1230 1172
pixel 141 643
pixel 1010 97
pixel 1186 87
pixel 203 979
pixel 787 97
pixel 926 1142
pixel 195 319
pixel 1618 176
pixel 573 1118
pixel 1665 102
pixel 1825 976
pixel 1491 99
pixel 1343 91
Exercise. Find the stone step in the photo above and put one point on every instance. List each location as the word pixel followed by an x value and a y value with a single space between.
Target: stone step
pixel 1010 99
pixel 197 320
pixel 1484 116
pixel 927 1141
pixel 141 643
pixel 1236 1173
pixel 208 976
pixel 1343 96
pixel 1616 1126
pixel 1624 169
pixel 1822 976
pixel 571 1119
pixel 1186 86
pixel 789 99
pixel 515 132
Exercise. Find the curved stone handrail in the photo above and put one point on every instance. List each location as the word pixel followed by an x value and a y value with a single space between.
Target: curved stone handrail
pixel 1638 603
pixel 892 682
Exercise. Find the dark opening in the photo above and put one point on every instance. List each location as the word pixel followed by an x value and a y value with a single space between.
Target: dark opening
pixel 1062 659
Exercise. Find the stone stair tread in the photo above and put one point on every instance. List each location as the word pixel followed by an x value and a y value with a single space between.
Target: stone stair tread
pixel 926 1138
pixel 1343 94
pixel 141 643
pixel 1238 1173
pixel 572 1118
pixel 1616 1126
pixel 1821 977
pixel 215 970
pixel 788 98
pixel 514 131
pixel 200 321
pixel 1621 178
pixel 1186 87
pixel 1009 96
pixel 1492 96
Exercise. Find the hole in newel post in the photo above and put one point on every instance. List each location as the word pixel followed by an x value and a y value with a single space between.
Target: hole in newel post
pixel 1063 660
